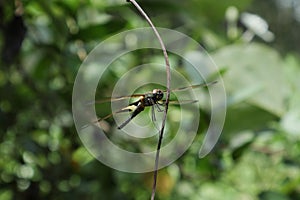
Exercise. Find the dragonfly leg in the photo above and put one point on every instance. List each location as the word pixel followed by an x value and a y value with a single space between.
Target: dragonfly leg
pixel 153 114
pixel 158 107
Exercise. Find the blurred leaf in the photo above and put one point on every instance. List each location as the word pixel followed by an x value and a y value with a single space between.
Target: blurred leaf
pixel 218 190
pixel 240 143
pixel 256 72
pixel 97 32
pixel 269 195
pixel 246 117
pixel 6 195
pixel 291 120
pixel 82 156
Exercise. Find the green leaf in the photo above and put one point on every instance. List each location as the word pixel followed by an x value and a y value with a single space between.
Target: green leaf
pixel 82 156
pixel 255 75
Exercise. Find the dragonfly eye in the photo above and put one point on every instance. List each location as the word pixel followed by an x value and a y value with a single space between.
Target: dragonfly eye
pixel 159 94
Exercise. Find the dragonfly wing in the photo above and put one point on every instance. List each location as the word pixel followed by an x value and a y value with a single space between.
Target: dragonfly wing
pixel 179 102
pixel 192 87
pixel 112 99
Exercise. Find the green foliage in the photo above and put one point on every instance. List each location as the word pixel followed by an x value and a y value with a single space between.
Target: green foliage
pixel 42 157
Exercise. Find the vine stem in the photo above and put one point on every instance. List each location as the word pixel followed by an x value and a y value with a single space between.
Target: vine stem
pixel 167 97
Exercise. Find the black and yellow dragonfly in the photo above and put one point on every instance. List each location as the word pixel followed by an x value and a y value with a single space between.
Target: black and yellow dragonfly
pixel 153 99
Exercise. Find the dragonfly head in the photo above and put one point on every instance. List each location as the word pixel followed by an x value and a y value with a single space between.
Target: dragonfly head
pixel 158 94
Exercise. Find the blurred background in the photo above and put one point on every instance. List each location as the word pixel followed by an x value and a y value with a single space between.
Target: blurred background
pixel 256 46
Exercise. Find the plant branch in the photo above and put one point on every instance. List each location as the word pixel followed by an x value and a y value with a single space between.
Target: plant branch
pixel 167 97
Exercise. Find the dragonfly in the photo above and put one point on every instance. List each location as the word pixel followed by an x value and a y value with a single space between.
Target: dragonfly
pixel 151 99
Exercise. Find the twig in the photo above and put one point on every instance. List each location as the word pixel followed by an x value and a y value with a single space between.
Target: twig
pixel 167 97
